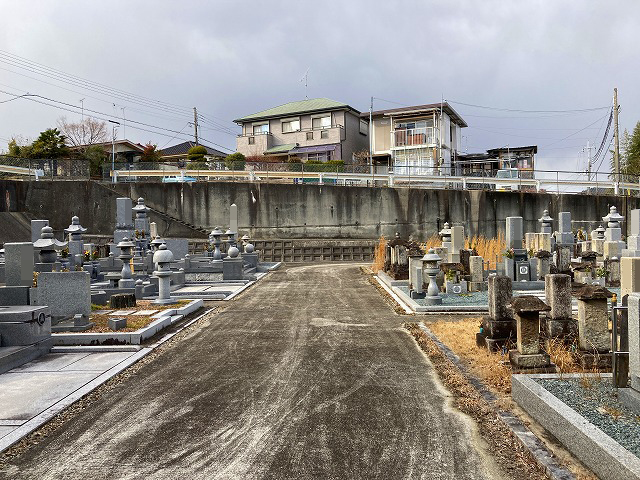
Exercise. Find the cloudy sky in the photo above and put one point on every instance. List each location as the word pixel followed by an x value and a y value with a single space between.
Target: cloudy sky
pixel 545 69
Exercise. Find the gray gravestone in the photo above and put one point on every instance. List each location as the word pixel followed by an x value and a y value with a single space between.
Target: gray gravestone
pixel 66 293
pixel 36 228
pixel 514 229
pixel 19 264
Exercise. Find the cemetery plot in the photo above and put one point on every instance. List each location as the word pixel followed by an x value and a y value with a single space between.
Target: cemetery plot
pixel 136 319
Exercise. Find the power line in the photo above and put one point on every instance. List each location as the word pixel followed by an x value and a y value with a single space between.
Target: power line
pixel 527 111
pixel 75 110
pixel 571 135
pixel 12 99
pixel 40 69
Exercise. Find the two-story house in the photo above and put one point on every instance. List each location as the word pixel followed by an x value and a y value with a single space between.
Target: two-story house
pixel 314 129
pixel 417 140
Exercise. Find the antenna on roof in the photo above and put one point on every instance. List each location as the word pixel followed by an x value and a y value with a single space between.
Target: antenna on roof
pixel 306 82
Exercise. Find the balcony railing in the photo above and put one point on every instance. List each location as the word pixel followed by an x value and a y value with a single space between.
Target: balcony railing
pixel 411 137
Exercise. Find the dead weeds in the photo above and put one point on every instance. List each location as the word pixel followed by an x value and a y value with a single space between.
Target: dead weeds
pixel 508 452
pixel 459 336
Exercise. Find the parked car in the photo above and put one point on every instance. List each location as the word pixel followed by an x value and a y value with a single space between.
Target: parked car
pixel 178 179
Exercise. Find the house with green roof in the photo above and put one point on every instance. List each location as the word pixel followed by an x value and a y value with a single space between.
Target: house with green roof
pixel 317 129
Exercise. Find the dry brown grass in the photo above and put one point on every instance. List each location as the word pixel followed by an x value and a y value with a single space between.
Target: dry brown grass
pixel 378 256
pixel 488 248
pixel 432 242
pixel 459 336
pixel 562 356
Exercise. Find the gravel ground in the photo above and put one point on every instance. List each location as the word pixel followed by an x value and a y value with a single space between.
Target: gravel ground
pixel 598 403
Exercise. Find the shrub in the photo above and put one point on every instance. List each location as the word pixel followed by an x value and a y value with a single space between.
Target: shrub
pixel 235 161
pixel 197 153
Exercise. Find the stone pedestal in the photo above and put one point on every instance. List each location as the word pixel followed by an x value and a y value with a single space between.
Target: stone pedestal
pixel 251 259
pixel 232 268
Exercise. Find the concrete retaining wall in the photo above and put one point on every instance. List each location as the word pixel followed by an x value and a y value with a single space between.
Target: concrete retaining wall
pixel 302 211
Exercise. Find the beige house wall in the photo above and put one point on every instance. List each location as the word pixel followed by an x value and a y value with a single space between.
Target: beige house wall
pixel 345 133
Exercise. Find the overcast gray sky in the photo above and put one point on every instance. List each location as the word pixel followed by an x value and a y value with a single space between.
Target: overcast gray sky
pixel 233 58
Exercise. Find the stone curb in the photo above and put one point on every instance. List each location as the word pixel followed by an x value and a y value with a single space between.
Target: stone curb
pixel 602 454
pixel 527 438
pixel 418 309
pixel 50 412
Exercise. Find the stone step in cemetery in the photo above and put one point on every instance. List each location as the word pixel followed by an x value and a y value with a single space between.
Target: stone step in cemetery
pixel 57 291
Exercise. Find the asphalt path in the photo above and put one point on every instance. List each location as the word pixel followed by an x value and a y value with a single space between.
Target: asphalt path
pixel 306 375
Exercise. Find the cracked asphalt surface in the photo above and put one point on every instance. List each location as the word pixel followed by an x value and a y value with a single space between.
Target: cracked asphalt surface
pixel 308 374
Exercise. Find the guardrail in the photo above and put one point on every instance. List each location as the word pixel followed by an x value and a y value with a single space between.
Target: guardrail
pixel 553 185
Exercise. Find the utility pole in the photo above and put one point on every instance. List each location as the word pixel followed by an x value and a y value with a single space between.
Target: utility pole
pixel 588 149
pixel 370 135
pixel 124 125
pixel 195 124
pixel 616 149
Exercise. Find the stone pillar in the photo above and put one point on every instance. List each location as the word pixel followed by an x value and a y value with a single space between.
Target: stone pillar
pixel 612 266
pixel 557 289
pixel 499 326
pixel 457 244
pixel 417 291
pixel 476 269
pixel 514 232
pixel 629 275
pixel 233 217
pixel 593 319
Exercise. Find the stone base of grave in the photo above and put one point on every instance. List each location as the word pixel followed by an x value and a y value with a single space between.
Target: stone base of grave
pixel 166 301
pixel 525 362
pixel 499 328
pixel 79 323
pixel 250 259
pixel 630 398
pixel 589 360
pixel 477 286
pixel 492 344
pixel 432 300
pixel 553 328
pixel 415 295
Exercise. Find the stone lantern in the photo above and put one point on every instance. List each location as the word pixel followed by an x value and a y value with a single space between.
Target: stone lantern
pixel 231 239
pixel 47 245
pixel 431 262
pixel 216 233
pixel 598 233
pixel 445 234
pixel 76 244
pixel 245 240
pixel 126 246
pixel 614 218
pixel 155 243
pixel 163 258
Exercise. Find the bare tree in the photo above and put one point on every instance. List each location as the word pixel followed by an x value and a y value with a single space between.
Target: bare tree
pixel 84 133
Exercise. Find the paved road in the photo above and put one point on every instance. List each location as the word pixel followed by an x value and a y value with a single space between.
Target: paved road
pixel 306 375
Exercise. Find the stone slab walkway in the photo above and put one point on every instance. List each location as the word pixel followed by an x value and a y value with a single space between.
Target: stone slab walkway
pixel 307 375
pixel 34 392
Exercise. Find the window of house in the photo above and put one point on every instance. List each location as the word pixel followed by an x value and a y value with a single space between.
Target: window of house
pixel 324 134
pixel 319 156
pixel 309 135
pixel 261 128
pixel 321 122
pixel 290 126
pixel 364 127
pixel 252 140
